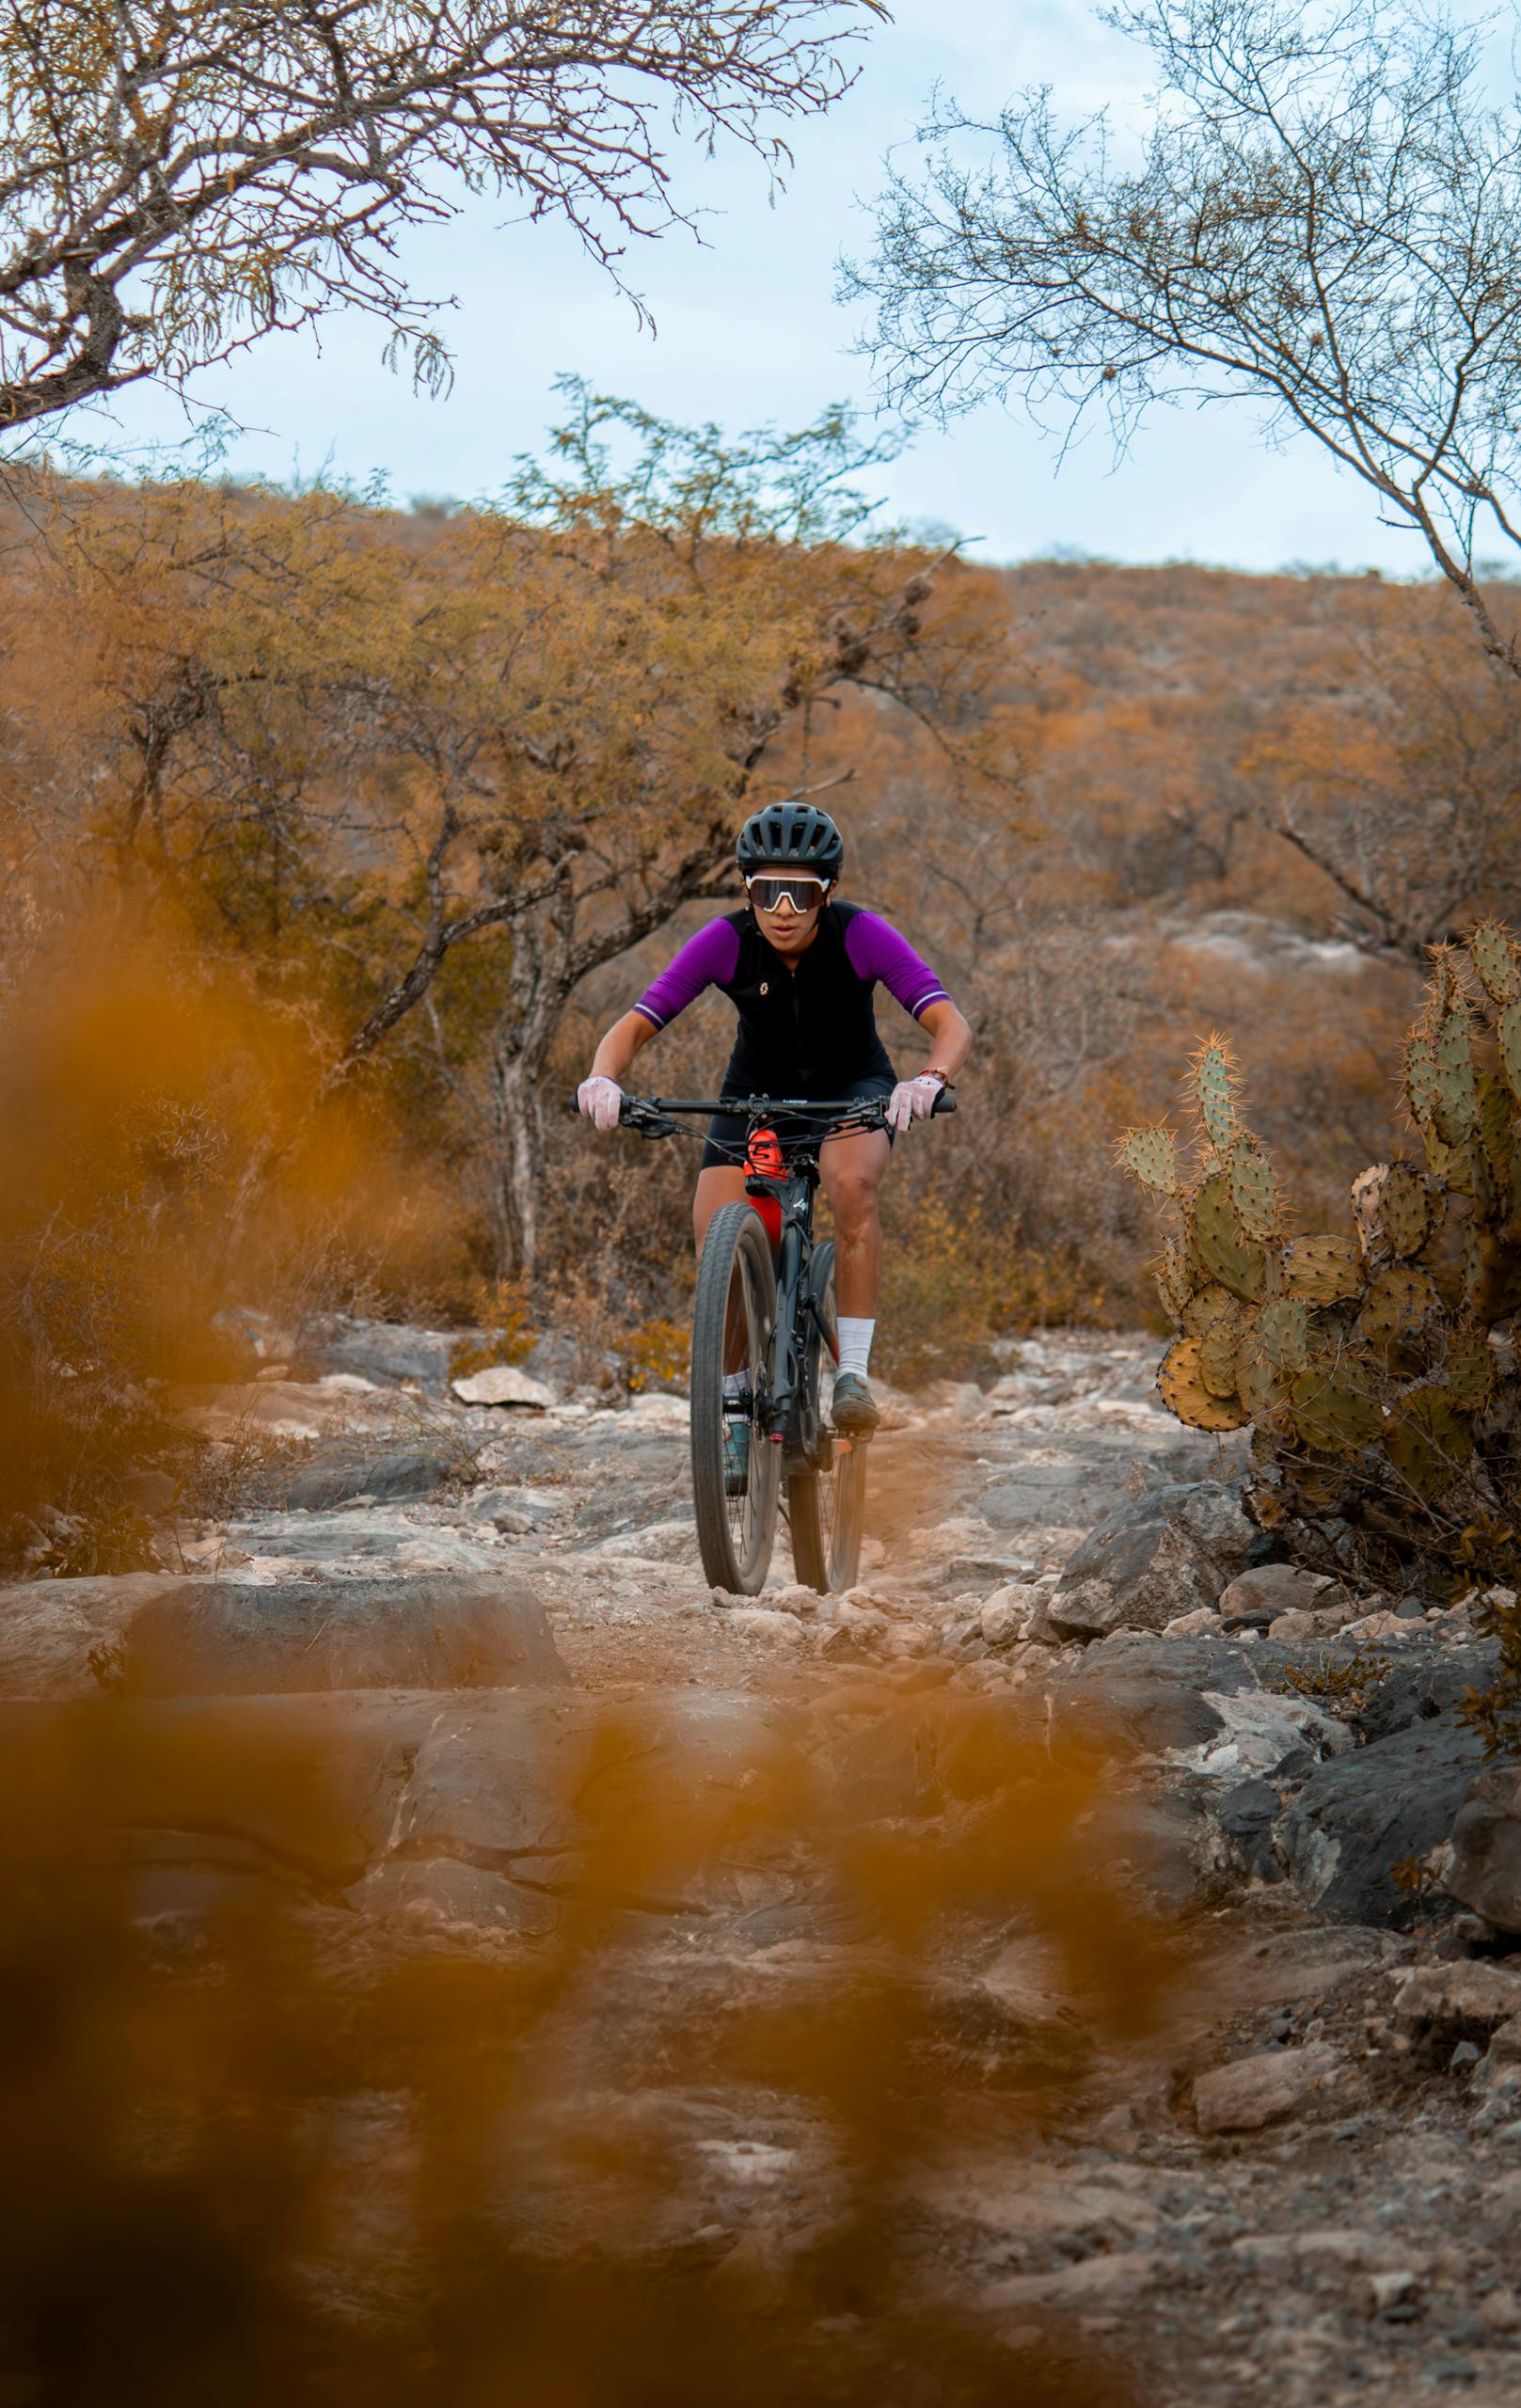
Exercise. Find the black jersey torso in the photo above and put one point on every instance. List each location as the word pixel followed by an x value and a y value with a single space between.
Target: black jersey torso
pixel 803 1030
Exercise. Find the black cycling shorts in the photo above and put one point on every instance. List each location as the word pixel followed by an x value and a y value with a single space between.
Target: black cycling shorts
pixel 726 1131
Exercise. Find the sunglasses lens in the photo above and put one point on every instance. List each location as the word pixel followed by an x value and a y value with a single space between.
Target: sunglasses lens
pixel 804 893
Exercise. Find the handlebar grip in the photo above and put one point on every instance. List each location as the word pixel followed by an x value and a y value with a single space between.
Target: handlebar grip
pixel 944 1103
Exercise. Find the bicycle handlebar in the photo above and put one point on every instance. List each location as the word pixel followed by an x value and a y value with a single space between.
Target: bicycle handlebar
pixel 757 1106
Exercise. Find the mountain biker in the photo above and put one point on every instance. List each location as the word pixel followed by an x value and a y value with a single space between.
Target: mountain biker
pixel 799 968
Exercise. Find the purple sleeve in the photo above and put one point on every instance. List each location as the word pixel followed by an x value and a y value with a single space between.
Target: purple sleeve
pixel 707 959
pixel 875 950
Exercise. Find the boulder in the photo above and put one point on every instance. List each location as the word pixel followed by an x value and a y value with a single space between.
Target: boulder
pixel 503 1384
pixel 61 1638
pixel 337 1792
pixel 1464 2001
pixel 1357 1817
pixel 1262 2089
pixel 1270 1590
pixel 1486 1872
pixel 1164 1554
pixel 390 1354
pixel 333 1473
pixel 462 1630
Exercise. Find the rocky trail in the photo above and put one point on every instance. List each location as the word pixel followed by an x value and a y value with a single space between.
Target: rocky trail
pixel 1299 2182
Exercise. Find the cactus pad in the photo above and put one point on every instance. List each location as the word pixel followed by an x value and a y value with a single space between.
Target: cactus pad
pixel 1367 1196
pixel 1428 1441
pixel 1494 1125
pixel 1151 1156
pixel 1492 952
pixel 1457 1091
pixel 1182 1388
pixel 1226 1252
pixel 1323 1270
pixel 1330 1415
pixel 1283 1332
pixel 1209 1305
pixel 1468 1373
pixel 1421 1092
pixel 1404 1211
pixel 1397 1301
pixel 1254 1191
pixel 1508 1037
pixel 1171 1273
pixel 1259 1382
pixel 1211 1071
pixel 1219 1350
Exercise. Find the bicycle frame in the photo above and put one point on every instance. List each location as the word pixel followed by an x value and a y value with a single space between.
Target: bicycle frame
pixel 788 1416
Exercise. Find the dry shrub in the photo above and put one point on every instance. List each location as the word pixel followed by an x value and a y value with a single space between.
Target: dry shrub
pixel 953 1280
pixel 270 2149
pixel 656 1354
pixel 503 1311
pixel 162 1161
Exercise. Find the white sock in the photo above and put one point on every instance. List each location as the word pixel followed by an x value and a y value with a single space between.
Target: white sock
pixel 855 1343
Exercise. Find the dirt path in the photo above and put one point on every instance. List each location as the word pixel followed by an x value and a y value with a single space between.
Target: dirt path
pixel 1284 2188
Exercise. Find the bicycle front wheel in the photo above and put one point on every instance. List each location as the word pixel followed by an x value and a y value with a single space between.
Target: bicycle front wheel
pixel 736 1476
pixel 826 1505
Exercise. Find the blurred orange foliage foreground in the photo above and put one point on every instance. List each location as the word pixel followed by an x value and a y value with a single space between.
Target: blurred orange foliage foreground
pixel 272 2133
pixel 164 1153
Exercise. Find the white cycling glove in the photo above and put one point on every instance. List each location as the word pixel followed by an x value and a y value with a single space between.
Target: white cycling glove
pixel 598 1098
pixel 912 1100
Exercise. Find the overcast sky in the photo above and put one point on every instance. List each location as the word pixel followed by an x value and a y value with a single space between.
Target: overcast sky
pixel 747 330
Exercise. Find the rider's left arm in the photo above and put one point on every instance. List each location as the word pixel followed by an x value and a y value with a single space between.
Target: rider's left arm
pixel 950 1037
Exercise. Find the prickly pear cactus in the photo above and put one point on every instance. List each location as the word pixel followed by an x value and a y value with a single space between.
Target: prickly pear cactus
pixel 1377 1370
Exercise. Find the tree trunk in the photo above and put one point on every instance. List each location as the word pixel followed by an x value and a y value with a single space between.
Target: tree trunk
pixel 543 976
pixel 517 1120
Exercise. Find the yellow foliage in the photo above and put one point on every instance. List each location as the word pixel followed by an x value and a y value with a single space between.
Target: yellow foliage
pixel 502 1310
pixel 655 1354
pixel 953 1281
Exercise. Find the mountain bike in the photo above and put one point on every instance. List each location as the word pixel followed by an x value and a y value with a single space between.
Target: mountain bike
pixel 765 1348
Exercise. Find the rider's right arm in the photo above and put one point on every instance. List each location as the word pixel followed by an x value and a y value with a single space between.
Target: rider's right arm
pixel 617 1050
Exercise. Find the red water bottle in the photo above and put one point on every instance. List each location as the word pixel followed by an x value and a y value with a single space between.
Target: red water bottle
pixel 764 1161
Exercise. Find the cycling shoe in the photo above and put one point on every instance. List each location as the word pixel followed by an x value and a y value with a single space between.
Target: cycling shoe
pixel 854 1410
pixel 736 1456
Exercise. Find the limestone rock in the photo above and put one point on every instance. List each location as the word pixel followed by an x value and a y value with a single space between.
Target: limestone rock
pixel 504 1384
pixel 1006 1615
pixel 333 1473
pixel 1164 1554
pixel 465 1630
pixel 1263 2089
pixel 1269 1590
pixel 63 1637
pixel 1486 1872
pixel 1357 1817
pixel 391 1354
pixel 1449 2003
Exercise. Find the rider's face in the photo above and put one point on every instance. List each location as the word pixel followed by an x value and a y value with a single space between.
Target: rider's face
pixel 785 926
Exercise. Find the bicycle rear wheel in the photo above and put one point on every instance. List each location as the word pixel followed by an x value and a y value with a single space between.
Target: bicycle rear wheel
pixel 735 1479
pixel 827 1506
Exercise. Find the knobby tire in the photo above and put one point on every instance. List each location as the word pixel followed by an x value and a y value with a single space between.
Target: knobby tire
pixel 826 1507
pixel 735 1535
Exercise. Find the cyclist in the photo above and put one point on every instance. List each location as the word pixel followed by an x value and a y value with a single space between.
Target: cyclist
pixel 799 968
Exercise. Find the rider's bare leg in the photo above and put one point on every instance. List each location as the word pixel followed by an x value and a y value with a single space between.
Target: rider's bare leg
pixel 851 1172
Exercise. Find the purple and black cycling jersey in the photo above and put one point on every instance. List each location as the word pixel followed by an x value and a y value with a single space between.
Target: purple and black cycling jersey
pixel 807 1028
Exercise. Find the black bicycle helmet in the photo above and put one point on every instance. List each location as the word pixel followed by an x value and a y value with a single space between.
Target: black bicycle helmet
pixel 790 836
